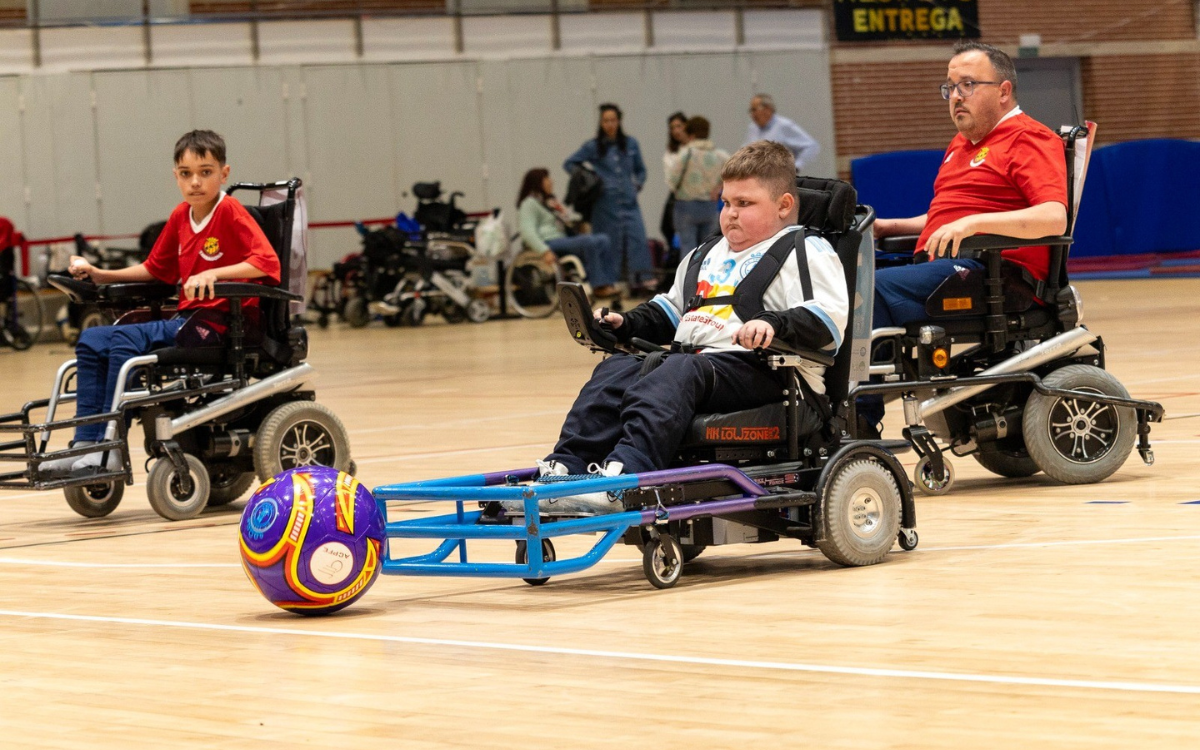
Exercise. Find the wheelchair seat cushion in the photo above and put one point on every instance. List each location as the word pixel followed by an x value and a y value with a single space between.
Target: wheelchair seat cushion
pixel 765 424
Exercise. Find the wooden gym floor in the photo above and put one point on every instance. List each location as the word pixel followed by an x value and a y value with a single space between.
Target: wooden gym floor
pixel 1032 614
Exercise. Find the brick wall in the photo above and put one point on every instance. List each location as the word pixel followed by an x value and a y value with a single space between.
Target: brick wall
pixel 1143 96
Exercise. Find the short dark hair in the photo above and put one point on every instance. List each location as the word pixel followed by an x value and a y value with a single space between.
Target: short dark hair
pixel 770 163
pixel 201 143
pixel 698 127
pixel 999 59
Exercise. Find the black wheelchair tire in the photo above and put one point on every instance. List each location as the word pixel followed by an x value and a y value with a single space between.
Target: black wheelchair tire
pixel 165 491
pixel 355 312
pixel 692 551
pixel 1047 449
pixel 227 484
pixel 1007 463
pixel 95 500
pixel 860 513
pixel 284 430
pixel 522 557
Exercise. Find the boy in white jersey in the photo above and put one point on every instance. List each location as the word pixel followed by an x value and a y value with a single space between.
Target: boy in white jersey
pixel 627 422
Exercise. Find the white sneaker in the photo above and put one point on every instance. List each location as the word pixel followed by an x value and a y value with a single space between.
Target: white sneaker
pixel 92 461
pixel 64 465
pixel 594 503
pixel 552 469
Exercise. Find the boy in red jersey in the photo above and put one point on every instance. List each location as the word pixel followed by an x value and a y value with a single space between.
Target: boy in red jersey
pixel 209 237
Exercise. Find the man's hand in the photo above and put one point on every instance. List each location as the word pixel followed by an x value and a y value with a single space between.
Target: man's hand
pixel 200 284
pixel 79 268
pixel 946 240
pixel 757 334
pixel 613 319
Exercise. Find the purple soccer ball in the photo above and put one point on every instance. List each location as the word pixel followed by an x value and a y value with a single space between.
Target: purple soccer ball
pixel 312 540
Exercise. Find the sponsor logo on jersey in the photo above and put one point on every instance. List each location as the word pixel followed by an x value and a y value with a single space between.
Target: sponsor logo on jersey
pixel 211 250
pixel 949 156
pixel 980 157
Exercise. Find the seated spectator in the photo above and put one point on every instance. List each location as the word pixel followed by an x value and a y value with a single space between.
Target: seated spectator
pixel 545 225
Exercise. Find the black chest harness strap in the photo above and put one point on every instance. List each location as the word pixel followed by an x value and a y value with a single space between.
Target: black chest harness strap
pixel 747 297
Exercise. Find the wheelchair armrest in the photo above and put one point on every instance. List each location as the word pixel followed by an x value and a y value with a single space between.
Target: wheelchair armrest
pixel 903 243
pixel 78 290
pixel 779 347
pixel 983 242
pixel 137 291
pixel 243 289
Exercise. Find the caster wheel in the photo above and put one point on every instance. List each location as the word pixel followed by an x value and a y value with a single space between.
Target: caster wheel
pixel 662 561
pixel 522 558
pixel 174 497
pixel 478 311
pixel 355 312
pixel 95 500
pixel 923 478
pixel 908 539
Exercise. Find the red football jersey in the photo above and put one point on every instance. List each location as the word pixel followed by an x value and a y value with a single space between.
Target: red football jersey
pixel 227 236
pixel 1018 165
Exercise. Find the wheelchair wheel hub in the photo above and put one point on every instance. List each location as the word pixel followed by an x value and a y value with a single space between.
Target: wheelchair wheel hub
pixel 306 444
pixel 864 511
pixel 1083 431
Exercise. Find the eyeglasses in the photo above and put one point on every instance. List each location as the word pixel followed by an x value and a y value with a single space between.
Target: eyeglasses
pixel 965 88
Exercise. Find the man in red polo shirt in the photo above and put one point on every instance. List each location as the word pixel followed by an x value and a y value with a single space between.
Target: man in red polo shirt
pixel 1004 173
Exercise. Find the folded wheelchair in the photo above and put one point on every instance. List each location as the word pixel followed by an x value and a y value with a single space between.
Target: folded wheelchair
pixel 213 416
pixel 1003 369
pixel 749 477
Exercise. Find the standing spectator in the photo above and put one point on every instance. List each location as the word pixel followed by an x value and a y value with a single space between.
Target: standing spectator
pixel 617 159
pixel 695 181
pixel 676 138
pixel 544 224
pixel 765 125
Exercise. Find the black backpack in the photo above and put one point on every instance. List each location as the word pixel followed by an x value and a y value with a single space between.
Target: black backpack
pixel 583 190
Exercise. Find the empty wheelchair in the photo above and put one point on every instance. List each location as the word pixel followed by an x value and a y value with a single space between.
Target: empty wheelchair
pixel 749 477
pixel 214 417
pixel 1005 371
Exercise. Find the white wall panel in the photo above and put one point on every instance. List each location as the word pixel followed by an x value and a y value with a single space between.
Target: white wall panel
pixel 61 152
pixel 506 35
pixel 12 186
pixel 598 32
pixel 799 81
pixel 437 124
pixel 350 146
pixel 201 44
pixel 695 30
pixel 92 48
pixel 716 87
pixel 407 38
pixel 244 105
pixel 139 117
pixel 16 51
pixel 784 28
pixel 548 111
pixel 306 42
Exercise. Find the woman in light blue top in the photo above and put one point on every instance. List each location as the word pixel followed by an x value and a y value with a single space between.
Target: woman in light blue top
pixel 543 224
pixel 617 159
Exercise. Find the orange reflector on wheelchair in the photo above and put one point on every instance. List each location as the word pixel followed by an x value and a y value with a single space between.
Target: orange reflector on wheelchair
pixel 956 303
pixel 940 358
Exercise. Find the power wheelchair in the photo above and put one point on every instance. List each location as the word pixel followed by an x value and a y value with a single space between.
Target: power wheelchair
pixel 752 476
pixel 213 416
pixel 1003 369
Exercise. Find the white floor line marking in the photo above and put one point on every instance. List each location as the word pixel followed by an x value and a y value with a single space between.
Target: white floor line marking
pixel 1118 685
pixel 440 454
pixel 68 564
pixel 457 422
pixel 1015 545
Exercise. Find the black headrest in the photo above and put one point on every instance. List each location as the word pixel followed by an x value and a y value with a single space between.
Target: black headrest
pixel 428 191
pixel 826 205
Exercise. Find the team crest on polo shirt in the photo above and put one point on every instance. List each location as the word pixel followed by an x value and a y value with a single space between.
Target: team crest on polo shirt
pixel 212 249
pixel 980 157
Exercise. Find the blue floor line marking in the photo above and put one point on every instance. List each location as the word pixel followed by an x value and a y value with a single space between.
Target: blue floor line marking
pixel 1107 502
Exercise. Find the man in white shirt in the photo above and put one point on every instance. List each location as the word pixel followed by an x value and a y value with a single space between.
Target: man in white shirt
pixel 766 125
